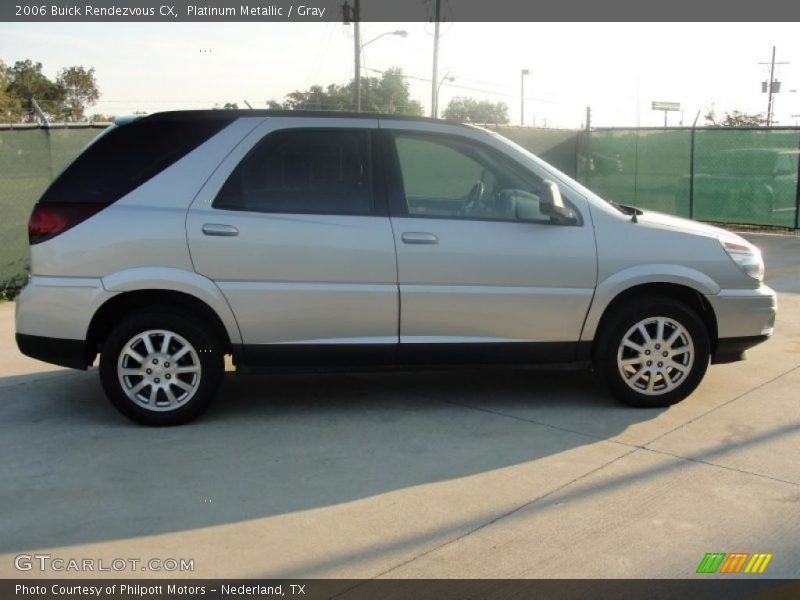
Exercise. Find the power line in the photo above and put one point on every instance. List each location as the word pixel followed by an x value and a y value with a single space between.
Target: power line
pixel 470 88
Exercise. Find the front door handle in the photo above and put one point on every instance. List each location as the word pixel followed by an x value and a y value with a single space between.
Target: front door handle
pixel 219 229
pixel 418 237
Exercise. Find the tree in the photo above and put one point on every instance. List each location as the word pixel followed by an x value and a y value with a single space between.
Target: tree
pixel 735 119
pixel 10 107
pixel 334 97
pixel 230 106
pixel 476 111
pixel 26 81
pixel 387 94
pixel 101 118
pixel 77 90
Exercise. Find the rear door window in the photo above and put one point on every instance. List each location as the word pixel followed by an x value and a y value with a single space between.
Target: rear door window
pixel 321 171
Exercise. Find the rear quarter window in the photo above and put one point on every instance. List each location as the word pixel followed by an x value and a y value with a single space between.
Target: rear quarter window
pixel 126 156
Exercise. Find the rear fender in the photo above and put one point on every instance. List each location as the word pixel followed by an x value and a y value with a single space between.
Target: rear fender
pixel 177 280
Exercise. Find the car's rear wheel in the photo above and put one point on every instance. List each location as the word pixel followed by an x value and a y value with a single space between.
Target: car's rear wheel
pixel 160 368
pixel 652 352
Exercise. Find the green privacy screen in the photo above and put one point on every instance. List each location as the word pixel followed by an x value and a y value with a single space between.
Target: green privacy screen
pixel 746 176
pixel 647 168
pixel 559 147
pixel 743 176
pixel 29 159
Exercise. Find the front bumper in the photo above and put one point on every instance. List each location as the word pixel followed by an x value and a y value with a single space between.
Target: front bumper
pixel 730 350
pixel 745 318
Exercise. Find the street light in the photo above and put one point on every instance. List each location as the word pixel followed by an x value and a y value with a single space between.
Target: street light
pixel 447 77
pixel 398 32
pixel 522 95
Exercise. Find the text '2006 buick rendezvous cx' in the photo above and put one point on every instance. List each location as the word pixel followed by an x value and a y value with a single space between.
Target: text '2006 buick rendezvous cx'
pixel 291 238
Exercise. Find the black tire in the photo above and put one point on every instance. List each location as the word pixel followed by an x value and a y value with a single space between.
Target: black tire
pixel 615 327
pixel 207 354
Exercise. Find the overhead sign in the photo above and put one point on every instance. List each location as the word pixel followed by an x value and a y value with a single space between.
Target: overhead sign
pixel 666 105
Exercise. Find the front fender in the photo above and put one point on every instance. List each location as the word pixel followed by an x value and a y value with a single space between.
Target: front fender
pixel 176 280
pixel 611 287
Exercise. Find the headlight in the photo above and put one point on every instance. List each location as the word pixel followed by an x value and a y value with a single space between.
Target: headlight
pixel 748 258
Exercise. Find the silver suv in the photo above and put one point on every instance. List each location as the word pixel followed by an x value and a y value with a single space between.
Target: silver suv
pixel 290 238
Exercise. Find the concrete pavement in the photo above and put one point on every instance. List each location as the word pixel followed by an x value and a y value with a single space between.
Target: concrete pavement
pixel 483 473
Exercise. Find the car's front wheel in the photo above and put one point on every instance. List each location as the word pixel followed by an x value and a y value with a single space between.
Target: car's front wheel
pixel 160 368
pixel 652 352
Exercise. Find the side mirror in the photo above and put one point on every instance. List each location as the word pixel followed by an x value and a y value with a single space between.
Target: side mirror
pixel 552 204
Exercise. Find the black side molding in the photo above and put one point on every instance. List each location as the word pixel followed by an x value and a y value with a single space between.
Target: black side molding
pixel 733 349
pixel 57 351
pixel 363 355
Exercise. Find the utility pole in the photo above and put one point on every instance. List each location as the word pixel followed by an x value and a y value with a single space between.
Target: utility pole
pixel 435 78
pixel 771 87
pixel 357 50
pixel 353 15
pixel 39 113
pixel 588 118
pixel 522 96
pixel 447 77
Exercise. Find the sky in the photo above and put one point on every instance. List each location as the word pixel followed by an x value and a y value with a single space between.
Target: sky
pixel 616 68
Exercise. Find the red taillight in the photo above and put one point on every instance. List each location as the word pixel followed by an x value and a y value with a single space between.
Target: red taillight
pixel 48 220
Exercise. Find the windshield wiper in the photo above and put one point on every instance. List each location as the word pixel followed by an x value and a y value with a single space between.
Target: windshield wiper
pixel 626 209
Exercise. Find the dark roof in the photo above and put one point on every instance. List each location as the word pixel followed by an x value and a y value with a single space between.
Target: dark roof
pixel 330 114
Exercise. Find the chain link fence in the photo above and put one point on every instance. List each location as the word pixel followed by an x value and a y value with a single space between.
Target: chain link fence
pixel 739 176
pixel 30 157
pixel 746 176
pixel 736 176
pixel 559 147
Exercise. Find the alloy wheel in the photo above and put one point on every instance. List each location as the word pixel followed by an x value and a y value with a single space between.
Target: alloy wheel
pixel 655 356
pixel 159 370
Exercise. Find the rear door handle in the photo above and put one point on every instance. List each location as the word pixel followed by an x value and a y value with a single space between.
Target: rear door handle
pixel 219 229
pixel 418 237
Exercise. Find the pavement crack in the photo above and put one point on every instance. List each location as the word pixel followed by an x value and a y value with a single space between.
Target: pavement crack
pixel 506 514
pixel 498 413
pixel 629 445
pixel 533 422
pixel 716 408
pixel 719 466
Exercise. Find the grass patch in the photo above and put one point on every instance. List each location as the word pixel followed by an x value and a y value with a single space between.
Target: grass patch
pixel 11 289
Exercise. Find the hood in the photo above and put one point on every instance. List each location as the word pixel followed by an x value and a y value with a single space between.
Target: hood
pixel 663 221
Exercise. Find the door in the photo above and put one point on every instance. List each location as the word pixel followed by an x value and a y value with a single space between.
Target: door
pixel 478 263
pixel 291 230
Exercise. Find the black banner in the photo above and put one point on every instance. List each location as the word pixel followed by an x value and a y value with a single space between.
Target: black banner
pixel 711 588
pixel 394 10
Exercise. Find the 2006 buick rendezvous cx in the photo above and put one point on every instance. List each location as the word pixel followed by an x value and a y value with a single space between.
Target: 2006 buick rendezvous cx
pixel 334 239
